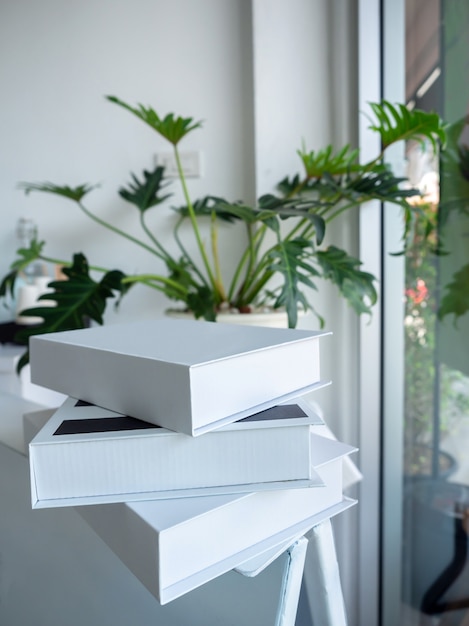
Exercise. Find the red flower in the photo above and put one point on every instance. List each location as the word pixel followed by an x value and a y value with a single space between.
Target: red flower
pixel 419 294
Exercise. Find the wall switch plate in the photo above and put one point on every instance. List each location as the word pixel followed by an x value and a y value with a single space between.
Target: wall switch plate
pixel 190 162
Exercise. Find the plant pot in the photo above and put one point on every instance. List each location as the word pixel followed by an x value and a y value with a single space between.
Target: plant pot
pixel 273 319
pixel 429 533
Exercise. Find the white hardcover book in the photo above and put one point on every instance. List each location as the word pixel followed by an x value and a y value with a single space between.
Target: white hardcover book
pixel 174 546
pixel 87 455
pixel 188 376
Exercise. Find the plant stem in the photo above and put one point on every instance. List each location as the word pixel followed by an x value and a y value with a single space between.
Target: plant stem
pixel 195 225
pixel 48 259
pixel 298 189
pixel 295 229
pixel 252 288
pixel 249 256
pixel 117 231
pixel 185 253
pixel 150 235
pixel 148 278
pixel 344 208
pixel 257 287
pixel 215 254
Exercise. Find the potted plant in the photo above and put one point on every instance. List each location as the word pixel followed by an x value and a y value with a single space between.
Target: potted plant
pixel 285 255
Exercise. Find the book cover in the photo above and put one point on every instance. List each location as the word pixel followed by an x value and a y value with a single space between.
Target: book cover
pixel 185 375
pixel 174 546
pixel 87 454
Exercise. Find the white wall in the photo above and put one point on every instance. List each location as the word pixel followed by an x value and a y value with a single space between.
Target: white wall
pixel 305 76
pixel 263 74
pixel 291 85
pixel 58 60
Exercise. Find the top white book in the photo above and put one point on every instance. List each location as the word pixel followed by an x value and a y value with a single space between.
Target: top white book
pixel 187 376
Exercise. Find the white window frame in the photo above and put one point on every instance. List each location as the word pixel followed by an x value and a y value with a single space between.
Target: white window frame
pixel 381 75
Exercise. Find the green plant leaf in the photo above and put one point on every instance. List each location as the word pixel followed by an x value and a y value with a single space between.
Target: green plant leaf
pixel 326 160
pixel 224 210
pixel 197 297
pixel 379 184
pixel 170 127
pixel 358 185
pixel 249 215
pixel 202 303
pixel 291 260
pixel 72 193
pixel 78 300
pixel 289 186
pixel 396 123
pixel 7 286
pixel 464 161
pixel 354 284
pixel 456 299
pixel 179 273
pixel 293 207
pixel 144 195
pixel 270 202
pixel 421 230
pixel 26 256
pixel 454 174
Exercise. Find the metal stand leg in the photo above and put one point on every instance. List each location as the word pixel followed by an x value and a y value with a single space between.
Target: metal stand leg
pixel 322 579
pixel 291 583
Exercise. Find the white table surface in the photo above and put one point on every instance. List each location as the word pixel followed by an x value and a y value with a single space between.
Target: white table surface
pixel 12 408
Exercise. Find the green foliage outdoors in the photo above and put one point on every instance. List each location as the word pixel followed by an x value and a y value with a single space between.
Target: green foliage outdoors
pixel 430 386
pixel 455 184
pixel 435 395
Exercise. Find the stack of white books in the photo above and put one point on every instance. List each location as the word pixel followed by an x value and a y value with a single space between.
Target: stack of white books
pixel 190 447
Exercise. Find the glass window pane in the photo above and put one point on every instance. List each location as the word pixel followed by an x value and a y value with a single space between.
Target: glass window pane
pixel 436 430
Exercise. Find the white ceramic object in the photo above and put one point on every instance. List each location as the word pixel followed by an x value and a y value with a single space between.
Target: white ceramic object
pixel 271 319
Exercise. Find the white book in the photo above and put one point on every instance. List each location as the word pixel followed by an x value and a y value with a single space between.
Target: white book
pixel 87 455
pixel 174 546
pixel 188 376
